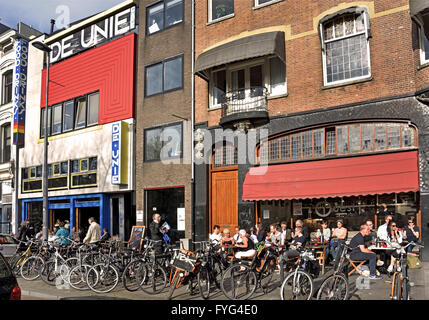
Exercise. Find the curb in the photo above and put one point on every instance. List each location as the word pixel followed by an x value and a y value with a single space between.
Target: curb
pixel 39 295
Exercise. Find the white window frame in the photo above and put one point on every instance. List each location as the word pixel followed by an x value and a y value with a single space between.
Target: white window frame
pixel 265 62
pixel 324 42
pixel 209 14
pixel 257 5
pixel 423 59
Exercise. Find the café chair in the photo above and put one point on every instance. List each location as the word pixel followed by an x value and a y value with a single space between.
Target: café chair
pixel 355 265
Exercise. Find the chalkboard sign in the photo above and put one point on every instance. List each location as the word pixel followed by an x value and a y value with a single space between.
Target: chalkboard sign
pixel 136 238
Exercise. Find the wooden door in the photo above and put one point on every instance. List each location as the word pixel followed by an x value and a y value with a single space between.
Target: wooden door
pixel 224 199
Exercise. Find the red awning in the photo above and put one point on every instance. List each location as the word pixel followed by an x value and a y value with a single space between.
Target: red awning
pixel 375 174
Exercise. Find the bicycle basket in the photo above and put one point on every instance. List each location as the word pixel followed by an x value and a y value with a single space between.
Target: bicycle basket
pixel 184 260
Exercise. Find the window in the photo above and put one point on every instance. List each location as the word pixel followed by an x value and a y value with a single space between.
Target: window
pixel 164 142
pixel 83 173
pixel 220 8
pixel 71 115
pixel 345 48
pixel 164 76
pixel 57 177
pixel 93 102
pixel 248 80
pixel 31 179
pixel 262 2
pixel 225 155
pixel 339 140
pixel 6 143
pixel 163 15
pixel 424 39
pixel 7 81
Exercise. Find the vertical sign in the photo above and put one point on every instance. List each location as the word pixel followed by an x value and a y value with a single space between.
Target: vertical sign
pixel 20 91
pixel 120 153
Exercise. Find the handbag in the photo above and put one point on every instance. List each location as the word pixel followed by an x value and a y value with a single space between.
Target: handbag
pixel 413 262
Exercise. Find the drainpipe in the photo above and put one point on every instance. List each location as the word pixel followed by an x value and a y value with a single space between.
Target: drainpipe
pixel 193 123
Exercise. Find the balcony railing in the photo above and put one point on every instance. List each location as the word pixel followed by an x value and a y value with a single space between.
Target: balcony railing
pixel 244 100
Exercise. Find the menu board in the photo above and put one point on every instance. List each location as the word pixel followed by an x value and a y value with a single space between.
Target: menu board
pixel 136 238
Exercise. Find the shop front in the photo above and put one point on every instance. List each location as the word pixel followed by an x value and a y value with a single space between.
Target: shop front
pixel 77 209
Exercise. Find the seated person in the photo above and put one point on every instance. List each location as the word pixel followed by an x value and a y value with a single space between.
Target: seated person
pixel 227 239
pixel 305 231
pixel 297 244
pixel 63 234
pixel 215 237
pixel 360 253
pixel 340 235
pixel 382 230
pixel 106 235
pixel 260 233
pixel 371 238
pixel 253 236
pixel 412 233
pixel 394 237
pixel 275 236
pixel 246 247
pixel 236 236
pixel 325 233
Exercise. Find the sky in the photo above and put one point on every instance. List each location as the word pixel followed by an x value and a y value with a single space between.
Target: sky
pixel 38 13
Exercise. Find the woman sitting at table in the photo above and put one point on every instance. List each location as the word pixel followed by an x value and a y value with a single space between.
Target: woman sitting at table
pixel 340 235
pixel 394 236
pixel 325 233
pixel 246 248
pixel 227 240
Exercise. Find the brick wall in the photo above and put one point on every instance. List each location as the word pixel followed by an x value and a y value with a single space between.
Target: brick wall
pixel 392 56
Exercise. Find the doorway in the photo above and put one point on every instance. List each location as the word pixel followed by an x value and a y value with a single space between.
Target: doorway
pixel 83 214
pixel 58 214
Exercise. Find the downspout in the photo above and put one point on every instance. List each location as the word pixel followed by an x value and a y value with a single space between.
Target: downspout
pixel 193 121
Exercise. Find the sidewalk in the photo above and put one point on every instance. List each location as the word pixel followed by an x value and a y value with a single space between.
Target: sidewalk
pixel 379 290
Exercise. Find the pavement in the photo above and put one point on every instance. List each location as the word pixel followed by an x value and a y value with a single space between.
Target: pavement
pixel 377 290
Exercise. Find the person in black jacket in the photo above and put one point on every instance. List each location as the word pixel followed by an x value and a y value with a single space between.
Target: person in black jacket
pixel 155 232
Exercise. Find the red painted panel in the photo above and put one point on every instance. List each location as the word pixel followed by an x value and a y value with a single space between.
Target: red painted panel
pixel 109 68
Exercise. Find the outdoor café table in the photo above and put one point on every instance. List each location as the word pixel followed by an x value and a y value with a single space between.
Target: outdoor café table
pixel 323 246
pixel 380 249
pixel 229 250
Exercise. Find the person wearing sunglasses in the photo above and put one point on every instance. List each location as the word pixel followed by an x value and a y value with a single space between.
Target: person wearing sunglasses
pixel 394 237
pixel 412 233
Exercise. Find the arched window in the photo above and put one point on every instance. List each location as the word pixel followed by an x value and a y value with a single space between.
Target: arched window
pixel 345 46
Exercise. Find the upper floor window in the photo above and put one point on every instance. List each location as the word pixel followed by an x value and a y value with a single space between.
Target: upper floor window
pixel 220 8
pixel 5 142
pixel 338 141
pixel 163 14
pixel 7 84
pixel 83 173
pixel 164 76
pixel 259 3
pixel 73 114
pixel 248 80
pixel 162 143
pixel 345 48
pixel 423 38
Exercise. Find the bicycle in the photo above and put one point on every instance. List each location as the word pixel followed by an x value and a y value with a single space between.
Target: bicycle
pixel 336 286
pixel 31 267
pixel 400 280
pixel 18 259
pixel 240 280
pixel 298 285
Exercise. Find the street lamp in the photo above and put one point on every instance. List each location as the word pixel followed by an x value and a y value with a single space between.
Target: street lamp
pixel 43 47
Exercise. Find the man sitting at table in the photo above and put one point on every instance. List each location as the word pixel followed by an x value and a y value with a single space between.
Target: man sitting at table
pixel 297 244
pixel 382 230
pixel 360 253
pixel 305 231
pixel 275 236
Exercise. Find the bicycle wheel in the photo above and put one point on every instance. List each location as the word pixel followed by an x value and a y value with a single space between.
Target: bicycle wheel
pixel 217 273
pixel 102 278
pixel 265 278
pixel 203 279
pixel 238 282
pixel 16 262
pixel 154 278
pixel 335 287
pixel 397 283
pixel 48 274
pixel 30 269
pixel 405 289
pixel 297 286
pixel 133 275
pixel 173 286
pixel 77 277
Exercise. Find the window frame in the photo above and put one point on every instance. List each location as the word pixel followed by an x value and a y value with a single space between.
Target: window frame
pixel 209 13
pixel 162 127
pixel 162 62
pixel 268 3
pixel 6 127
pixel 355 34
pixel 81 173
pixel 421 35
pixel 164 13
pixel 3 87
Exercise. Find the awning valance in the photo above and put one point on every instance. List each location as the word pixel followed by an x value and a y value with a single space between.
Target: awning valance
pixel 245 48
pixel 418 6
pixel 375 174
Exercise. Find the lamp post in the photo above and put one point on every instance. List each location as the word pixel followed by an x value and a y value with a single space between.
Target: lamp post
pixel 41 46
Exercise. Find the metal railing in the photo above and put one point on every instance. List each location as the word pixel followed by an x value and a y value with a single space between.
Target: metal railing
pixel 244 100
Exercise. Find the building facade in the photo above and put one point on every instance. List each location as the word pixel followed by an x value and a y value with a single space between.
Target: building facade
pixel 91 124
pixel 8 160
pixel 164 115
pixel 331 98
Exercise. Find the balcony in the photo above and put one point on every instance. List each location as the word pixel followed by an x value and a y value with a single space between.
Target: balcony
pixel 245 108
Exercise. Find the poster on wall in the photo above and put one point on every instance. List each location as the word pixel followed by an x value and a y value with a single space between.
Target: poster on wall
pixel 181 219
pixel 297 209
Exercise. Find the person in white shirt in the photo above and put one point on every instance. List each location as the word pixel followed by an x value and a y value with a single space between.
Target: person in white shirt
pixel 94 232
pixel 325 231
pixel 236 236
pixel 394 239
pixel 215 237
pixel 382 230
